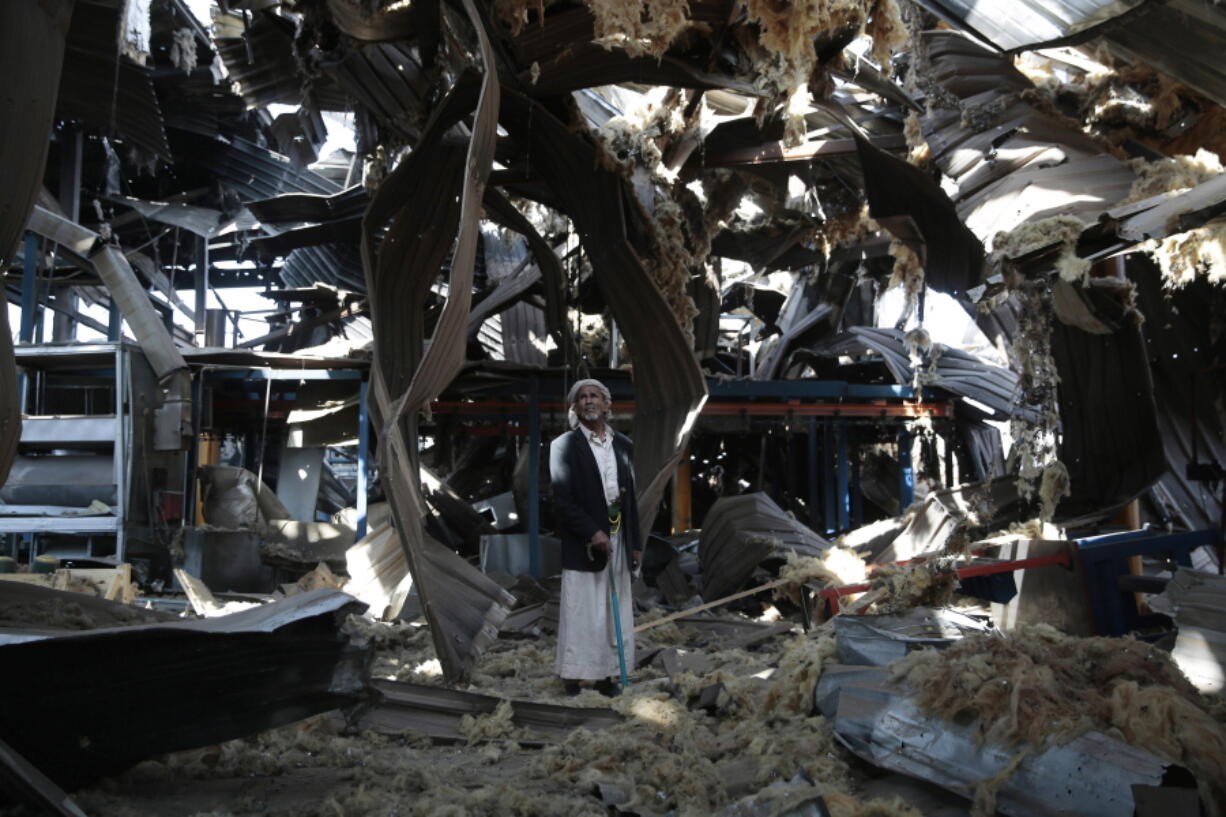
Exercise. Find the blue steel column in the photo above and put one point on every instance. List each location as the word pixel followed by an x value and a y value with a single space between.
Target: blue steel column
pixel 857 496
pixel 534 480
pixel 114 323
pixel 828 468
pixel 813 515
pixel 841 468
pixel 906 482
pixel 363 455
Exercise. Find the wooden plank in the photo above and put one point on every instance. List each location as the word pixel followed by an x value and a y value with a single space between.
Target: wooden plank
pixel 707 606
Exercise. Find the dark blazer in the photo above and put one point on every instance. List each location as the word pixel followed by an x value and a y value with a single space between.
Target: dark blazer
pixel 578 498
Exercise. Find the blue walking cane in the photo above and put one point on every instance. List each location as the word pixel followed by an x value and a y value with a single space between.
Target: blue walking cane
pixel 615 522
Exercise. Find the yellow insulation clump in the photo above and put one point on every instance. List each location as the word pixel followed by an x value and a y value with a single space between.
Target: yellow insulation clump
pixel 639 27
pixel 919 584
pixel 838 566
pixel 1200 251
pixel 1036 685
pixel 1173 174
pixel 788 29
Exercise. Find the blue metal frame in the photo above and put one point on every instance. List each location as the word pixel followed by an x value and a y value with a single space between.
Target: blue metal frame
pixel 363 457
pixel 1105 558
pixel 906 471
pixel 841 475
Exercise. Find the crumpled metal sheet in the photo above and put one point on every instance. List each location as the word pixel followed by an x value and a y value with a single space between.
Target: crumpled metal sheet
pixel 250 170
pixel 956 371
pixel 669 386
pixel 464 607
pixel 967 510
pixel 139 691
pixel 1180 358
pixel 879 641
pixel 1091 775
pixel 31 47
pixel 741 531
pixel 261 62
pixel 1106 397
pixel 906 201
pixel 1197 602
pixel 437 711
pixel 1019 165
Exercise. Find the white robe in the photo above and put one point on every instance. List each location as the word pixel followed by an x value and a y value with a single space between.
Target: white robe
pixel 587 641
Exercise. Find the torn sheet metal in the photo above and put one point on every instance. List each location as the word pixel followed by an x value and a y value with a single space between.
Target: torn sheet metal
pixel 906 201
pixel 1155 34
pixel 1180 361
pixel 1020 24
pixel 669 386
pixel 1091 775
pixel 955 515
pixel 1197 602
pixel 739 532
pixel 105 88
pixel 464 608
pixel 31 47
pixel 881 640
pixel 261 62
pixel 1016 164
pixel 1106 397
pixel 437 711
pixel 139 691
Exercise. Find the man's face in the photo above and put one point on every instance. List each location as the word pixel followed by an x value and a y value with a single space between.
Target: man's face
pixel 590 404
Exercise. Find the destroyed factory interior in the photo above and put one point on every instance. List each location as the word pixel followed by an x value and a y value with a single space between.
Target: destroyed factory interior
pixel 895 331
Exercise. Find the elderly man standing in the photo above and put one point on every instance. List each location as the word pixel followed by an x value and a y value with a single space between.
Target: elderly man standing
pixel 592 473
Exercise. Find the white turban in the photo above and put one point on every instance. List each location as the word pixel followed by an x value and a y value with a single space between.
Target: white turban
pixel 572 419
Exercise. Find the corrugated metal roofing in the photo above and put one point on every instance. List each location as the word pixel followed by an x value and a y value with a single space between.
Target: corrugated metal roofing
pixel 101 87
pixel 338 265
pixel 1182 38
pixel 1015 24
pixel 252 171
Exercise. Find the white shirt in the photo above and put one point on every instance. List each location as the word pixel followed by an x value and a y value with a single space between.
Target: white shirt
pixel 606 460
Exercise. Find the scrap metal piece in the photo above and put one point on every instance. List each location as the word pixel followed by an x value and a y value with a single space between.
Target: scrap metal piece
pixel 1091 775
pixel 741 531
pixel 138 691
pixel 1197 602
pixel 881 640
pixel 1106 395
pixel 906 201
pixel 464 607
pixel 105 87
pixel 436 711
pixel 951 513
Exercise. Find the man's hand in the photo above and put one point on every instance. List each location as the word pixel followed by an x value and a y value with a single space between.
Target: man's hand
pixel 636 559
pixel 600 541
